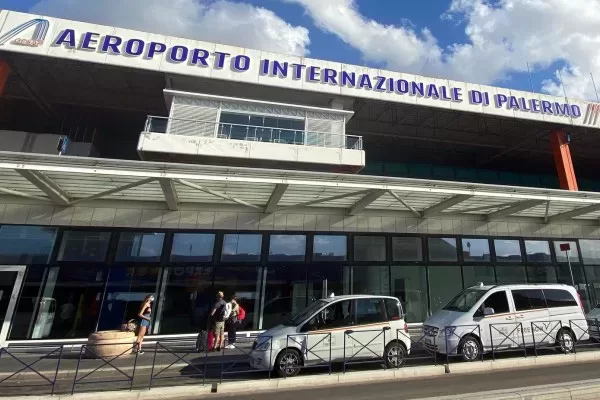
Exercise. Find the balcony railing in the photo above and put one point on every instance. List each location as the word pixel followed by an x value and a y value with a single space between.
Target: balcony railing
pixel 222 130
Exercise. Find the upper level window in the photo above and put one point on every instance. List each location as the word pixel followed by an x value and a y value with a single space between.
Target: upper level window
pixel 407 249
pixel 140 246
pixel 369 248
pixel 442 249
pixel 26 244
pixel 507 250
pixel 590 251
pixel 241 247
pixel 329 248
pixel 287 248
pixel 261 128
pixel 476 250
pixel 561 256
pixel 84 246
pixel 537 251
pixel 193 247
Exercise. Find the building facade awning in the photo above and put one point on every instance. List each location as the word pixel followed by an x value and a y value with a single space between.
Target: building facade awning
pixel 70 181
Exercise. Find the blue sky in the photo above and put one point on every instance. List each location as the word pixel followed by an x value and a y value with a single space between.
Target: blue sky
pixel 507 40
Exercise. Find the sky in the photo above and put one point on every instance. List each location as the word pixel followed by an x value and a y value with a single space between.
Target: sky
pixel 547 46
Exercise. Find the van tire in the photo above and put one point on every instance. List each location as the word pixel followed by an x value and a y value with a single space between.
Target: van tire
pixel 470 348
pixel 288 363
pixel 395 354
pixel 565 341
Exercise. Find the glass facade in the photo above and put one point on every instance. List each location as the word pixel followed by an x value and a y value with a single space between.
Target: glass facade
pixel 78 281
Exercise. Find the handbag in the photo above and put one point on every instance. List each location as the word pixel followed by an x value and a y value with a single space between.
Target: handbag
pixel 130 326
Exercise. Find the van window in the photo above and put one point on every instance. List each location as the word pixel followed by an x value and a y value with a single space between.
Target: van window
pixel 369 311
pixel 392 307
pixel 498 301
pixel 528 299
pixel 336 315
pixel 559 298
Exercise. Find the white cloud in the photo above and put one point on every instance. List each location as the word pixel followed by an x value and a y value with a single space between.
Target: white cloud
pixel 220 21
pixel 502 39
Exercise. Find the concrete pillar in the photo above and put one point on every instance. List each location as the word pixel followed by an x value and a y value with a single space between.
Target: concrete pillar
pixel 563 161
pixel 4 73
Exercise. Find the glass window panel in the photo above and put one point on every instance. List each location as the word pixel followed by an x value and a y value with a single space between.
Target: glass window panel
pixel 564 276
pixel 507 250
pixel 189 294
pixel 140 247
pixel 255 120
pixel 445 282
pixel 371 280
pixel 474 274
pixel 26 244
pixel 369 248
pixel 329 248
pixel 593 280
pixel 193 247
pixel 507 274
pixel 476 250
pixel 407 249
pixel 297 124
pixel 241 247
pixel 67 306
pixel 442 249
pixel 561 256
pixel 541 274
pixel 337 315
pixel 234 118
pixel 285 295
pixel 125 290
pixel 590 251
pixel 538 251
pixel 270 122
pixel 28 304
pixel 409 284
pixel 243 282
pixel 287 248
pixel 84 246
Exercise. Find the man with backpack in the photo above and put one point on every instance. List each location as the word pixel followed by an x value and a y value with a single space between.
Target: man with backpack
pixel 219 314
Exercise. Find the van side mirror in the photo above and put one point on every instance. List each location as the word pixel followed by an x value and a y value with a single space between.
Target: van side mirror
pixel 488 311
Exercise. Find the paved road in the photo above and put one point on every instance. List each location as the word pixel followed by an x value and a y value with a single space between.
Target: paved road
pixel 439 386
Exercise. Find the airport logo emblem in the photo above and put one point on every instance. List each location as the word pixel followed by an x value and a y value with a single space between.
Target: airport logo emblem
pixel 38 34
pixel 591 114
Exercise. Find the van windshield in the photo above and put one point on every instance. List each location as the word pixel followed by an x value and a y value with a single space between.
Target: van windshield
pixel 304 314
pixel 465 300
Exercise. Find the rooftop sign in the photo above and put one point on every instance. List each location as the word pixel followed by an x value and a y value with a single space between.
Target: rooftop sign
pixel 116 46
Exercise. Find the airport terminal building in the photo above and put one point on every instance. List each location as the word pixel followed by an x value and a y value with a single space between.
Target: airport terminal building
pixel 135 163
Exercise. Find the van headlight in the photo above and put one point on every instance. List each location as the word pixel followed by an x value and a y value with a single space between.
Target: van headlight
pixel 449 331
pixel 263 345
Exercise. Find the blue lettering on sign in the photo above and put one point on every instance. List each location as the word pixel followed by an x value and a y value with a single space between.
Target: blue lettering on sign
pixel 180 54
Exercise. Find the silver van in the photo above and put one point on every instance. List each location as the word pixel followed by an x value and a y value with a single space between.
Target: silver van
pixel 482 318
pixel 335 329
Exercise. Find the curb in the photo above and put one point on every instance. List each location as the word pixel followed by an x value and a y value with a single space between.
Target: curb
pixel 575 391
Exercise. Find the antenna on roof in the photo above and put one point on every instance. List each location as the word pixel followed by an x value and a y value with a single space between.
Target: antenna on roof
pixel 332 295
pixel 480 284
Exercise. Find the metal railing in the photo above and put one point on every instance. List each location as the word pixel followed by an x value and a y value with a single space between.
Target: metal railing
pixel 252 133
pixel 57 369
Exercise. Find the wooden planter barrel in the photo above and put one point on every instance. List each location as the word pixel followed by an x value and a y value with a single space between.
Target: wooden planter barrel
pixel 110 344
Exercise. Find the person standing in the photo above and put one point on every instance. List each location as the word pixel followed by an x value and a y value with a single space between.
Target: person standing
pixel 145 318
pixel 218 318
pixel 232 323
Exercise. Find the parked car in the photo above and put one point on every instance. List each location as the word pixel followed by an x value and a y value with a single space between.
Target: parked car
pixel 593 320
pixel 351 328
pixel 507 317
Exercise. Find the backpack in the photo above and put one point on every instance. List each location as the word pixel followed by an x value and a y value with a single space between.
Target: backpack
pixel 241 314
pixel 225 311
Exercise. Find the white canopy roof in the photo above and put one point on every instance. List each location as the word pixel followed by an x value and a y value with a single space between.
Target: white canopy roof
pixel 68 181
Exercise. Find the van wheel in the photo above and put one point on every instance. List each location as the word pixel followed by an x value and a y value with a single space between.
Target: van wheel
pixel 395 354
pixel 469 348
pixel 288 363
pixel 565 341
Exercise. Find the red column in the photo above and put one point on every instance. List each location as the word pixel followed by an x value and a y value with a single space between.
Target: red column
pixel 4 72
pixel 563 161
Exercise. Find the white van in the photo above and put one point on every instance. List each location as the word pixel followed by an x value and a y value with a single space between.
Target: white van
pixel 504 317
pixel 356 327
